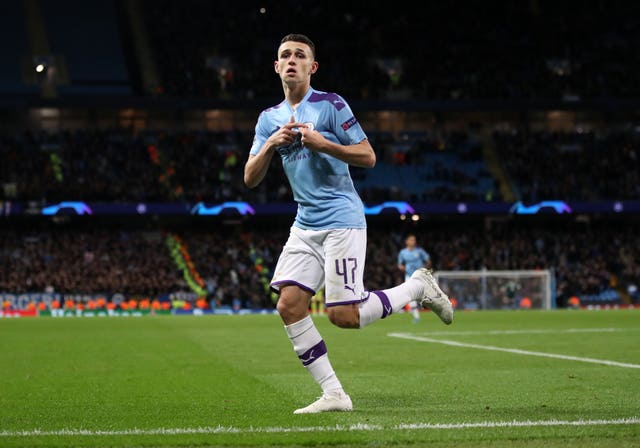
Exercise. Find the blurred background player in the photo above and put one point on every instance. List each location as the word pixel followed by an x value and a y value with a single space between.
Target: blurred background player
pixel 410 259
pixel 317 303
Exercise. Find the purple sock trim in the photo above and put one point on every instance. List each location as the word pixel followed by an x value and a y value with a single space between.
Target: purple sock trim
pixel 313 353
pixel 387 309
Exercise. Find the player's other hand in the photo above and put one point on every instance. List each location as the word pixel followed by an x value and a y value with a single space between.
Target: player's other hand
pixel 287 134
pixel 312 139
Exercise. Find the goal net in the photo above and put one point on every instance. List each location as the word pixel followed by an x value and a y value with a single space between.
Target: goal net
pixel 491 290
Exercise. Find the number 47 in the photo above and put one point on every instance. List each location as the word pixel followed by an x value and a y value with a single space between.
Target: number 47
pixel 341 268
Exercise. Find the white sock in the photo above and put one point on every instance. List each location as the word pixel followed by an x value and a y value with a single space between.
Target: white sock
pixel 380 304
pixel 312 351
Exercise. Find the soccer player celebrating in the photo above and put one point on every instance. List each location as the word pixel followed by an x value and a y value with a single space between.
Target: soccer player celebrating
pixel 410 259
pixel 318 137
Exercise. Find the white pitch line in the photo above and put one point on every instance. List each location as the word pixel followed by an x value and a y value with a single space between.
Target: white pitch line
pixel 303 429
pixel 532 331
pixel 514 351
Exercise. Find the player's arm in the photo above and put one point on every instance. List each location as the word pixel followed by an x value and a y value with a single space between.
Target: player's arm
pixel 360 154
pixel 352 145
pixel 257 165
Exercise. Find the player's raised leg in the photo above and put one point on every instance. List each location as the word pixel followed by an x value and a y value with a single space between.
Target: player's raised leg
pixel 349 306
pixel 421 288
pixel 433 297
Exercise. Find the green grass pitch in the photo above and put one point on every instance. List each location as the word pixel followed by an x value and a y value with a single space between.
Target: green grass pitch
pixel 234 381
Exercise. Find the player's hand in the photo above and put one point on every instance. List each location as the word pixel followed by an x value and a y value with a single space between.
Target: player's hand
pixel 312 139
pixel 287 134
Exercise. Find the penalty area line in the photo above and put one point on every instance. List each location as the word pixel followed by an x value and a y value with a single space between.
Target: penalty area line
pixel 513 350
pixel 210 430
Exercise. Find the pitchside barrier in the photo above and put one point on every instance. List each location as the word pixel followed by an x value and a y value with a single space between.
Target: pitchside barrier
pixel 492 290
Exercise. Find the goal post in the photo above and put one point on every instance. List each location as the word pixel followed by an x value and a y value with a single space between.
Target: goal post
pixel 492 290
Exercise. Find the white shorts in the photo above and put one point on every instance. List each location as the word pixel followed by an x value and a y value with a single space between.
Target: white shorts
pixel 331 258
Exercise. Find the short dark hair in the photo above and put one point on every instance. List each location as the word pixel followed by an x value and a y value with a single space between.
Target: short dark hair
pixel 300 38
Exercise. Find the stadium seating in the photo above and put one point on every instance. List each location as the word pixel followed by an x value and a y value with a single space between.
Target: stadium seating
pixel 544 51
pixel 507 75
pixel 579 165
pixel 236 263
pixel 422 167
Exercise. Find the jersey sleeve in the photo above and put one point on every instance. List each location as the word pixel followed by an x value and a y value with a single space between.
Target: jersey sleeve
pixel 400 258
pixel 261 134
pixel 346 127
pixel 425 256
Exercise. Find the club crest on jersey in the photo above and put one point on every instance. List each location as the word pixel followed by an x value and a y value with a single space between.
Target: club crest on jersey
pixel 350 122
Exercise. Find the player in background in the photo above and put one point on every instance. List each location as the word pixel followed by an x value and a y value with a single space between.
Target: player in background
pixel 410 259
pixel 317 303
pixel 317 137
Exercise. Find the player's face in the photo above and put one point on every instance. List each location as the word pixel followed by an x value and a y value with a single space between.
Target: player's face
pixel 411 242
pixel 295 62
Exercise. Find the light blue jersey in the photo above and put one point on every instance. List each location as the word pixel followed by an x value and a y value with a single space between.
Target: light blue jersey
pixel 412 259
pixel 321 184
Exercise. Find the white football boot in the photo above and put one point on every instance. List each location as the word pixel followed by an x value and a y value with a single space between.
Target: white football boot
pixel 338 401
pixel 433 297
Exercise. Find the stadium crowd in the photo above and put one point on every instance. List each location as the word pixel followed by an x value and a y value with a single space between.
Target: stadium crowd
pixel 120 165
pixel 540 49
pixel 582 165
pixel 236 265
pixel 86 262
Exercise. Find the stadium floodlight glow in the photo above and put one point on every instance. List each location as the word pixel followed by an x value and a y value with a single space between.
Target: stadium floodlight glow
pixel 241 207
pixel 560 207
pixel 404 208
pixel 40 68
pixel 80 208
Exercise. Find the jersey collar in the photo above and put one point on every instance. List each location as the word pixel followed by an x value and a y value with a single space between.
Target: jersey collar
pixel 304 100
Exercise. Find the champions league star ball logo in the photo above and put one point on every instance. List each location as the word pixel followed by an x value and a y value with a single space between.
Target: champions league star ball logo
pixel 350 122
